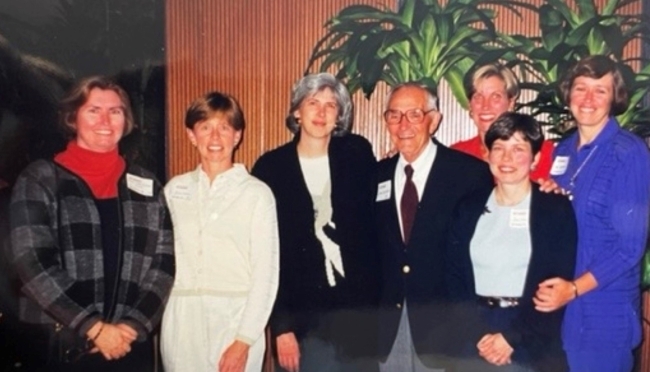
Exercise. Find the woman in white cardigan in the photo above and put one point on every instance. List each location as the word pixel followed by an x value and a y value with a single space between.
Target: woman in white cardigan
pixel 226 245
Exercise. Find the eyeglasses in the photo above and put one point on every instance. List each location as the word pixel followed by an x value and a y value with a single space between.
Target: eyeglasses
pixel 413 116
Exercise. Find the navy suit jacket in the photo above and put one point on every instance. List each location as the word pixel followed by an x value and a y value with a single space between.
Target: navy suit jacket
pixel 415 273
pixel 553 233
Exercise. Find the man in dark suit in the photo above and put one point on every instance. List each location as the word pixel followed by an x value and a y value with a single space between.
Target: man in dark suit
pixel 417 192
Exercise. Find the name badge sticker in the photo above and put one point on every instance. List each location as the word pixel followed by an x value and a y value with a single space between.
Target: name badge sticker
pixel 560 165
pixel 181 192
pixel 383 191
pixel 519 218
pixel 143 186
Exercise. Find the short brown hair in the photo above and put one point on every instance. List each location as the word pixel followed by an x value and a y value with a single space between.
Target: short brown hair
pixel 509 123
pixel 77 97
pixel 488 71
pixel 596 67
pixel 214 103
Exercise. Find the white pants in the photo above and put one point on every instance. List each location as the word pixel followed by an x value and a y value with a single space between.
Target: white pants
pixel 197 329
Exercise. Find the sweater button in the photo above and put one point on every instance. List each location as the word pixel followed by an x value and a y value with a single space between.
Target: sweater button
pixel 398 305
pixel 406 269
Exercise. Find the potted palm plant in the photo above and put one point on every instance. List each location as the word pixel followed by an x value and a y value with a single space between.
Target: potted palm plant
pixel 422 41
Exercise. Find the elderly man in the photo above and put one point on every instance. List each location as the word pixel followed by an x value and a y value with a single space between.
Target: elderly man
pixel 417 192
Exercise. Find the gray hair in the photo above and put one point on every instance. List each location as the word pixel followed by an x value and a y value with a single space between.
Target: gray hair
pixel 432 95
pixel 312 84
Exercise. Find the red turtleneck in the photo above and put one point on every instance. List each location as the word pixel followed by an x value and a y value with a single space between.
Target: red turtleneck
pixel 100 170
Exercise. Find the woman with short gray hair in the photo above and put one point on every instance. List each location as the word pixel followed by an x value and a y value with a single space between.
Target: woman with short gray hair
pixel 322 181
pixel 310 85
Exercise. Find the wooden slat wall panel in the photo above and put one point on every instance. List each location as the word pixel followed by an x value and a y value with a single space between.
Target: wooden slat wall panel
pixel 256 49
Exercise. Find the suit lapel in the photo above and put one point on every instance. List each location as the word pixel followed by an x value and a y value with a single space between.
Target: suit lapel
pixel 388 207
pixel 534 230
pixel 296 179
pixel 434 190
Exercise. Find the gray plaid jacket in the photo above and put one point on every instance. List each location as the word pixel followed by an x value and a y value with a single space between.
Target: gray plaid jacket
pixel 56 243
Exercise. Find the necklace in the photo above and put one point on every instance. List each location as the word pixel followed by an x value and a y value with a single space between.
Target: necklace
pixel 577 172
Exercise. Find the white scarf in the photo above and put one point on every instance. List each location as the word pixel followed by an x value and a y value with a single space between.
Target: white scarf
pixel 331 250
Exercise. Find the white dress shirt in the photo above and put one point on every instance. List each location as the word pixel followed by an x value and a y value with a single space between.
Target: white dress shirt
pixel 421 168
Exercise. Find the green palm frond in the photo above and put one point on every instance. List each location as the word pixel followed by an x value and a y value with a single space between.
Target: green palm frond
pixel 422 41
pixel 567 35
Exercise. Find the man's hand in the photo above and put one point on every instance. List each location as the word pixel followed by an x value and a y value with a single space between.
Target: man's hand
pixel 288 351
pixel 234 358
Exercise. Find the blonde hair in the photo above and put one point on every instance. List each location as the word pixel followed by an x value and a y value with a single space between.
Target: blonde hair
pixel 488 71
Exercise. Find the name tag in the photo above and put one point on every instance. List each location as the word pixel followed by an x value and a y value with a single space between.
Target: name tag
pixel 383 191
pixel 519 218
pixel 559 165
pixel 143 186
pixel 181 192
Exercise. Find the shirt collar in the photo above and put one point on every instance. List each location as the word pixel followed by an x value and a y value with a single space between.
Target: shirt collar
pixel 422 162
pixel 605 135
pixel 234 174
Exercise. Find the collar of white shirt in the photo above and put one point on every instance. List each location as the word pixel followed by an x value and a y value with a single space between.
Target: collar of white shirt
pixel 421 168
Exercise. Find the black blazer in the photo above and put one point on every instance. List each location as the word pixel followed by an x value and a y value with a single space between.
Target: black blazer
pixel 415 273
pixel 304 296
pixel 553 233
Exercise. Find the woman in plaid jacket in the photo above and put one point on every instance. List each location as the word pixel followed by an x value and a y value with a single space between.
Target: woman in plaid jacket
pixel 91 240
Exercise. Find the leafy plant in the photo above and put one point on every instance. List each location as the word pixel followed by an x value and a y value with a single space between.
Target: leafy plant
pixel 568 35
pixel 423 41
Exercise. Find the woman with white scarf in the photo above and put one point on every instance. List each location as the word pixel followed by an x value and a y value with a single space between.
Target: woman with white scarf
pixel 323 184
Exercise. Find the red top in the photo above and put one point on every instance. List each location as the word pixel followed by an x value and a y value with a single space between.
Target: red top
pixel 475 148
pixel 100 170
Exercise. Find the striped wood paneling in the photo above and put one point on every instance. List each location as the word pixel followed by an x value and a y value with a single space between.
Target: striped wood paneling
pixel 256 49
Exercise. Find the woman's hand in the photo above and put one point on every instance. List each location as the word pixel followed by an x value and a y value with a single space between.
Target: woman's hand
pixel 495 349
pixel 109 341
pixel 549 186
pixel 129 334
pixel 288 351
pixel 234 358
pixel 553 293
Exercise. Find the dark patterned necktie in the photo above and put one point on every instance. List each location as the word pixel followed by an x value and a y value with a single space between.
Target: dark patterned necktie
pixel 409 203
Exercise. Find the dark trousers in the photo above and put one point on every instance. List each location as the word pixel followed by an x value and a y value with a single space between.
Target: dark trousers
pixel 498 319
pixel 318 355
pixel 35 354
